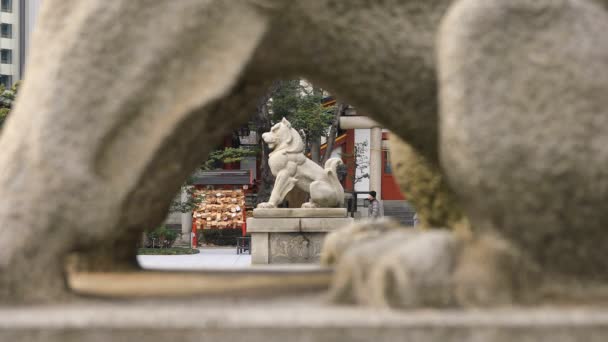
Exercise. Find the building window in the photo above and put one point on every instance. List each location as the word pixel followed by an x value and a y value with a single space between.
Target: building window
pixel 6 56
pixel 6 30
pixel 6 81
pixel 7 5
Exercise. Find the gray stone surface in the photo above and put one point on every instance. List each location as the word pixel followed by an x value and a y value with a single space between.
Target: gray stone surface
pixel 299 212
pixel 296 224
pixel 290 248
pixel 290 240
pixel 426 188
pixel 324 224
pixel 386 266
pixel 88 165
pixel 255 225
pixel 250 282
pixel 523 129
pixel 303 318
pixel 260 248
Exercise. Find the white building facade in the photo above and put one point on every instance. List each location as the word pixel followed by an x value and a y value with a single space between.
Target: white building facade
pixel 17 20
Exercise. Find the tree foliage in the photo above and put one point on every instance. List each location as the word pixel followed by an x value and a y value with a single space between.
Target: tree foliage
pixel 7 98
pixel 225 156
pixel 301 104
pixel 161 237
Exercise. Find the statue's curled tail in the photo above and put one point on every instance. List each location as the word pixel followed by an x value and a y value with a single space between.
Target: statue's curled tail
pixel 331 168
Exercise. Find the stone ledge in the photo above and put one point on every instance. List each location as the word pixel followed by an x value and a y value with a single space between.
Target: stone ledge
pixel 299 212
pixel 256 225
pixel 303 319
pixel 324 224
pixel 296 225
pixel 258 281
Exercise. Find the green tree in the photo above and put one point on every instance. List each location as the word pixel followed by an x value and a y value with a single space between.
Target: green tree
pixel 7 98
pixel 225 156
pixel 301 103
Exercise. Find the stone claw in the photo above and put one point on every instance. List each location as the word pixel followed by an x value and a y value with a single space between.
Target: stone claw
pixel 266 205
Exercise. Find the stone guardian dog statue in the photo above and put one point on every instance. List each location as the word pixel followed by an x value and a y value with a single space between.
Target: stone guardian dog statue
pixel 291 168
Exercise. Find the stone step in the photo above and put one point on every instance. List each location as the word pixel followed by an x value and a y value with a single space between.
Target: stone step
pixel 402 211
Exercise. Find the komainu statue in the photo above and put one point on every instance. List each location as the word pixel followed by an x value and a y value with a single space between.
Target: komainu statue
pixel 292 168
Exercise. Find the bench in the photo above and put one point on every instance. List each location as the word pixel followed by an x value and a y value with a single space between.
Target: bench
pixel 243 244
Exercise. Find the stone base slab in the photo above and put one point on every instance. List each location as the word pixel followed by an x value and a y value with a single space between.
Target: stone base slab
pixel 296 225
pixel 279 240
pixel 303 319
pixel 299 212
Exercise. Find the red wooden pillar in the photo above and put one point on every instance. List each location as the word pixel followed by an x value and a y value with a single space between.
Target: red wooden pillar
pixel 193 237
pixel 349 161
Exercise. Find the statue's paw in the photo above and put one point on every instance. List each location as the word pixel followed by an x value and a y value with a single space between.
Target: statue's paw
pixel 266 205
pixel 401 269
pixel 310 205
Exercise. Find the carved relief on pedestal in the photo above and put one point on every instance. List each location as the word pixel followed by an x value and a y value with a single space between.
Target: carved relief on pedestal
pixel 295 247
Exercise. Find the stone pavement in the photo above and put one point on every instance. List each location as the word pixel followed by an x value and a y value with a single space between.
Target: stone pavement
pixel 207 258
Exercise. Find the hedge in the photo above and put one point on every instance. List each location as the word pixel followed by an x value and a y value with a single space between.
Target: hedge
pixel 220 236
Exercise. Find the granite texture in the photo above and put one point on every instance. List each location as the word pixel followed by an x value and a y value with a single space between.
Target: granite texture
pixel 301 318
pixel 304 224
pixel 523 129
pixel 256 225
pixel 291 240
pixel 299 212
pixel 260 248
pixel 295 248
pixel 324 224
pixel 426 188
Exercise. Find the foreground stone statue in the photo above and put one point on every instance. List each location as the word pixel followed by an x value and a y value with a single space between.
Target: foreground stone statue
pixel 113 109
pixel 292 168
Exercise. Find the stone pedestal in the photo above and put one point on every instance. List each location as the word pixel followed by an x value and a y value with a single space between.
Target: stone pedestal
pixel 285 235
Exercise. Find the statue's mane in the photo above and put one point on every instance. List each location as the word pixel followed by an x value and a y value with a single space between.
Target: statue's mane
pixel 295 143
